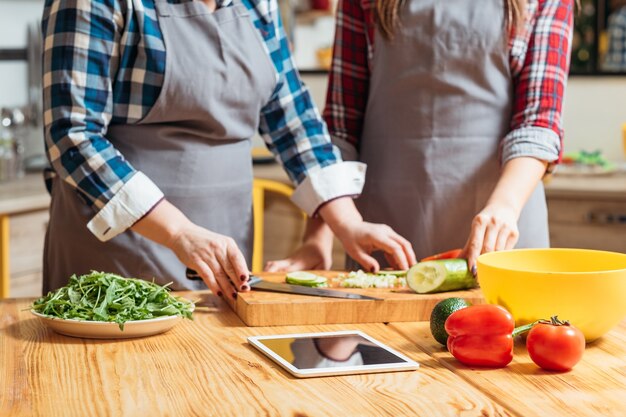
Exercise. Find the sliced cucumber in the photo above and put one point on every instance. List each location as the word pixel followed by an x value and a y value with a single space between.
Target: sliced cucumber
pixel 307 279
pixel 398 273
pixel 439 276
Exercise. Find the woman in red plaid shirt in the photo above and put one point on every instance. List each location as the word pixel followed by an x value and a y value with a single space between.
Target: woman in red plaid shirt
pixel 455 107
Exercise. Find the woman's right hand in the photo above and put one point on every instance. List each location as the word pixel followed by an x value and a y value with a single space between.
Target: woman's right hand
pixel 216 258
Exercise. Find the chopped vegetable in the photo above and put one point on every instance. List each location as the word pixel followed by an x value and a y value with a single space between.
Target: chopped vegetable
pixel 360 279
pixel 481 335
pixel 395 273
pixel 307 279
pixel 555 345
pixel 101 296
pixel 440 275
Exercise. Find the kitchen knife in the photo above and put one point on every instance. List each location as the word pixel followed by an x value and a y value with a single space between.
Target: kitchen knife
pixel 258 284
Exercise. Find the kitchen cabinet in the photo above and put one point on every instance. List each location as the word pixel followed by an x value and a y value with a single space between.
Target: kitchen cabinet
pixel 26 240
pixel 587 212
pixel 23 219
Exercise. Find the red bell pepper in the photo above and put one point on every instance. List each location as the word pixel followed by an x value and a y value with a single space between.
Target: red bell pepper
pixel 481 335
pixel 451 254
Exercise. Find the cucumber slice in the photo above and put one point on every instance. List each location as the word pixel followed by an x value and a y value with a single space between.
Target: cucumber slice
pixel 439 276
pixel 398 273
pixel 306 278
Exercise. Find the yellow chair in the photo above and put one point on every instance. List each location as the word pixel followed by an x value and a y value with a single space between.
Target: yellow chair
pixel 4 256
pixel 259 188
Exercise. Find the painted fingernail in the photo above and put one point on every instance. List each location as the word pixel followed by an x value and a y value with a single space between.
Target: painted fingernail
pixel 243 277
pixel 245 288
pixel 474 270
pixel 234 295
pixel 219 294
pixel 373 269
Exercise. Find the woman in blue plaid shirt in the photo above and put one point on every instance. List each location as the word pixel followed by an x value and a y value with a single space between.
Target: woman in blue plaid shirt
pixel 149 107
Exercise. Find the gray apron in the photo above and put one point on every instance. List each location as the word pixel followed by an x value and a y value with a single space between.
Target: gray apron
pixel 439 103
pixel 194 144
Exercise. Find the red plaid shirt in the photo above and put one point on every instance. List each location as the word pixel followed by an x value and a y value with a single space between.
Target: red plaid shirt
pixel 539 62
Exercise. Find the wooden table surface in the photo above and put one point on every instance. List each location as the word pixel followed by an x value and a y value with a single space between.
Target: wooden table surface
pixel 205 367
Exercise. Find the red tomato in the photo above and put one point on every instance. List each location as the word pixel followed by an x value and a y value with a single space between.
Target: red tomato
pixel 451 254
pixel 555 345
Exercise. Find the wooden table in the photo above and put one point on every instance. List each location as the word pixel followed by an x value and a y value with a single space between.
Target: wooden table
pixel 206 368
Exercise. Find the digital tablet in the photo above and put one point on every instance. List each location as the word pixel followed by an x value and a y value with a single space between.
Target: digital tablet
pixel 331 353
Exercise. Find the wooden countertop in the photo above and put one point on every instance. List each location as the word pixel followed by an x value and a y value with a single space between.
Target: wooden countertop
pixel 604 187
pixel 24 194
pixel 206 367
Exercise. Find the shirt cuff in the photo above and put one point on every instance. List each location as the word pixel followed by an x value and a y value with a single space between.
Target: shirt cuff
pixel 328 183
pixel 131 202
pixel 535 142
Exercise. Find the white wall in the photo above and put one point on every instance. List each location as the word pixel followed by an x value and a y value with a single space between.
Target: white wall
pixel 595 109
pixel 14 16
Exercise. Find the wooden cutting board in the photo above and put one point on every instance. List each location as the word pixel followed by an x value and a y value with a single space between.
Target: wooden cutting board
pixel 263 308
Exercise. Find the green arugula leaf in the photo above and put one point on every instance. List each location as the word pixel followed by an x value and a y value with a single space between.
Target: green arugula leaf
pixel 101 296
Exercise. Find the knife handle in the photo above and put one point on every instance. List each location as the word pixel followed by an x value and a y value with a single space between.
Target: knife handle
pixel 192 275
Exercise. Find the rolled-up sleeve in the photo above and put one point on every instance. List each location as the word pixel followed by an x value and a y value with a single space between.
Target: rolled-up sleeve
pixel 540 65
pixel 294 131
pixel 81 55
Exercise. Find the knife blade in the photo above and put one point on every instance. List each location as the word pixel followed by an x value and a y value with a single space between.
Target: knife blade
pixel 258 284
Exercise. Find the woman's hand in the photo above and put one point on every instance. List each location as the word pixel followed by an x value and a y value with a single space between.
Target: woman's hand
pixel 311 255
pixel 493 229
pixel 361 238
pixel 215 257
pixel 315 252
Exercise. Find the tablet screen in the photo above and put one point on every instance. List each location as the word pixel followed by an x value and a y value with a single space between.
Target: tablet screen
pixel 330 353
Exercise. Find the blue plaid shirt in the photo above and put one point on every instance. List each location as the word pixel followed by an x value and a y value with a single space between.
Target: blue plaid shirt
pixel 104 62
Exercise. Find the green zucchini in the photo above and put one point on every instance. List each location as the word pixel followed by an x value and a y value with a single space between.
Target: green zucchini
pixel 439 276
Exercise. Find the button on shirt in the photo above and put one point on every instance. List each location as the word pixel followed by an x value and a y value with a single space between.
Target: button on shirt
pixel 104 64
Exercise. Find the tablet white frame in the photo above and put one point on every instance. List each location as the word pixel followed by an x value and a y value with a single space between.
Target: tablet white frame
pixel 408 365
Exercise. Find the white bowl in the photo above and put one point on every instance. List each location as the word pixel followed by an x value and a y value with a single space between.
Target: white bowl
pixel 108 330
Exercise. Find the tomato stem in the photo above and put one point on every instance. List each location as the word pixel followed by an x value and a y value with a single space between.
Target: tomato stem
pixel 554 320
pixel 523 329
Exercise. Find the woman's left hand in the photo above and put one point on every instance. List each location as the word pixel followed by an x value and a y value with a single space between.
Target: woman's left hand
pixel 361 238
pixel 493 229
pixel 310 256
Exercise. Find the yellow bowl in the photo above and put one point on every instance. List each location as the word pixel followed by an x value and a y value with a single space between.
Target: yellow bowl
pixel 586 287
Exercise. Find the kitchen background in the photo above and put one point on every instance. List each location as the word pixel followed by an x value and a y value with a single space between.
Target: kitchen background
pixel 595 107
pixel 585 210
